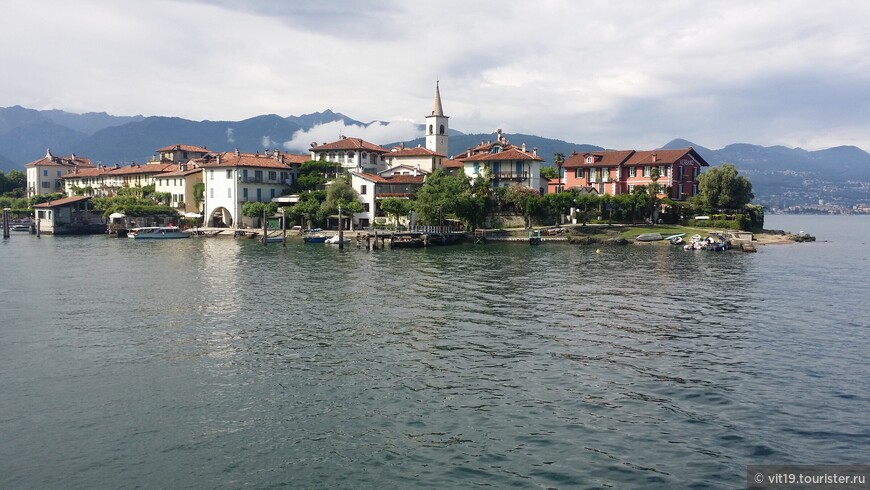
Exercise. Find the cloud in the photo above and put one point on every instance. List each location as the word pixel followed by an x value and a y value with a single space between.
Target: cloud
pixel 377 133
pixel 618 74
pixel 230 137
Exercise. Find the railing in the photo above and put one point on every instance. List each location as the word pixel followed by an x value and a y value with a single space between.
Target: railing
pixel 510 175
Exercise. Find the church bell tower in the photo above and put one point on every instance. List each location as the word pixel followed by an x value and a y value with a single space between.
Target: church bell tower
pixel 436 127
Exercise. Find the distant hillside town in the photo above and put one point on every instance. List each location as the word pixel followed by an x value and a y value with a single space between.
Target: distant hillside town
pixel 215 184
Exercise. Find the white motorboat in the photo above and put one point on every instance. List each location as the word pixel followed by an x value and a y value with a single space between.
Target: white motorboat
pixel 158 233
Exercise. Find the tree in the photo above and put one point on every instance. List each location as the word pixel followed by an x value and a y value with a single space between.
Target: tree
pixel 13 183
pixel 723 189
pixel 313 174
pixel 527 202
pixel 440 196
pixel 559 160
pixel 253 209
pixel 549 173
pixel 340 193
pixel 585 202
pixel 395 207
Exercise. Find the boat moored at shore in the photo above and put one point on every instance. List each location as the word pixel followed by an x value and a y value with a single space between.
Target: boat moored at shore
pixel 158 233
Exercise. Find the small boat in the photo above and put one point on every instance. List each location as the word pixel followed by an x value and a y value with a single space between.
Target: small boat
pixel 20 227
pixel 333 240
pixel 676 240
pixel 157 233
pixel 315 239
pixel 272 239
pixel 649 237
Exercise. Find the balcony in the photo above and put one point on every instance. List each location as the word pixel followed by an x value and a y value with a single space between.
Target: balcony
pixel 518 176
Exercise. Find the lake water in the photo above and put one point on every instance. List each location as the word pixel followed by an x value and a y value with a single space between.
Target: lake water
pixel 225 364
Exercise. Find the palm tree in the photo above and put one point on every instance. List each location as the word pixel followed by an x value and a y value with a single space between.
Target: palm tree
pixel 559 160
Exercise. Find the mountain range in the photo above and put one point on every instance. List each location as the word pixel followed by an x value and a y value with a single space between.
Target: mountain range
pixel 781 176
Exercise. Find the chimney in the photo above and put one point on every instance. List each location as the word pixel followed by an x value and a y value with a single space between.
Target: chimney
pixel 534 151
pixel 276 154
pixel 654 157
pixel 237 152
pixel 468 153
pixel 524 147
pixel 219 157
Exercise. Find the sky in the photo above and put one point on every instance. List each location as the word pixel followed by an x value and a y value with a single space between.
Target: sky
pixel 617 74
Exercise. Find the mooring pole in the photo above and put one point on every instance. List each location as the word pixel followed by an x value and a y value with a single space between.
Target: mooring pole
pixel 340 233
pixel 6 222
pixel 265 231
pixel 284 227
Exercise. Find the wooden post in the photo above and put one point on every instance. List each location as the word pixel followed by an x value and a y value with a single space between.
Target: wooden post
pixel 6 223
pixel 284 227
pixel 340 233
pixel 265 230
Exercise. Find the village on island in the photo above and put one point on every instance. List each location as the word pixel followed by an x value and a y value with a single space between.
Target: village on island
pixel 352 189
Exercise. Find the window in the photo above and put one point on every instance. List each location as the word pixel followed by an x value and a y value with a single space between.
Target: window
pixel 363 189
pixel 45 173
pixel 365 207
pixel 349 157
pixel 272 192
pixel 579 173
pixel 244 193
pixel 646 170
pixel 46 185
pixel 273 175
pixel 441 129
pixel 475 169
pixel 589 159
pixel 229 174
pixel 211 193
pixel 430 129
pixel 58 173
pixel 630 188
pixel 259 195
pixel 258 175
pixel 229 193
pixel 663 171
pixel 211 174
pixel 632 171
pixel 680 175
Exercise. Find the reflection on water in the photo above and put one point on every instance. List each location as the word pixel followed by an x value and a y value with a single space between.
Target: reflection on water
pixel 224 363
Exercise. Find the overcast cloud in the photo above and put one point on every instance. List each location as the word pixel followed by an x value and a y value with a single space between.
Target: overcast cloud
pixel 629 74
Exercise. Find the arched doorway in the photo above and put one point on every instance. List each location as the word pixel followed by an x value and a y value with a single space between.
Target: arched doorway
pixel 220 218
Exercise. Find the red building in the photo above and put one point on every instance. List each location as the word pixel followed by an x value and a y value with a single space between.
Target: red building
pixel 620 171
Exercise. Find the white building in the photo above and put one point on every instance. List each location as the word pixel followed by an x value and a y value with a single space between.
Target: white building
pixel 506 164
pixel 400 182
pixel 45 176
pixel 233 178
pixel 353 154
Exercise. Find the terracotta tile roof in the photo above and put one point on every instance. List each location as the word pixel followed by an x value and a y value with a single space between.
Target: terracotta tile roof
pixel 452 164
pixel 62 202
pixel 295 159
pixel 405 179
pixel 510 153
pixel 191 148
pixel 259 160
pixel 605 158
pixel 69 161
pixel 413 152
pixel 665 157
pixel 181 173
pixel 135 168
pixel 85 172
pixel 394 179
pixel 350 144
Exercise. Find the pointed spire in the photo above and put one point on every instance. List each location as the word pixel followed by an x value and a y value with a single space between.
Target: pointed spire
pixel 437 110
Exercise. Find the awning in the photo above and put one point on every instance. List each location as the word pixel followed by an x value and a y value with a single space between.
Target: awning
pixel 117 216
pixel 192 215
